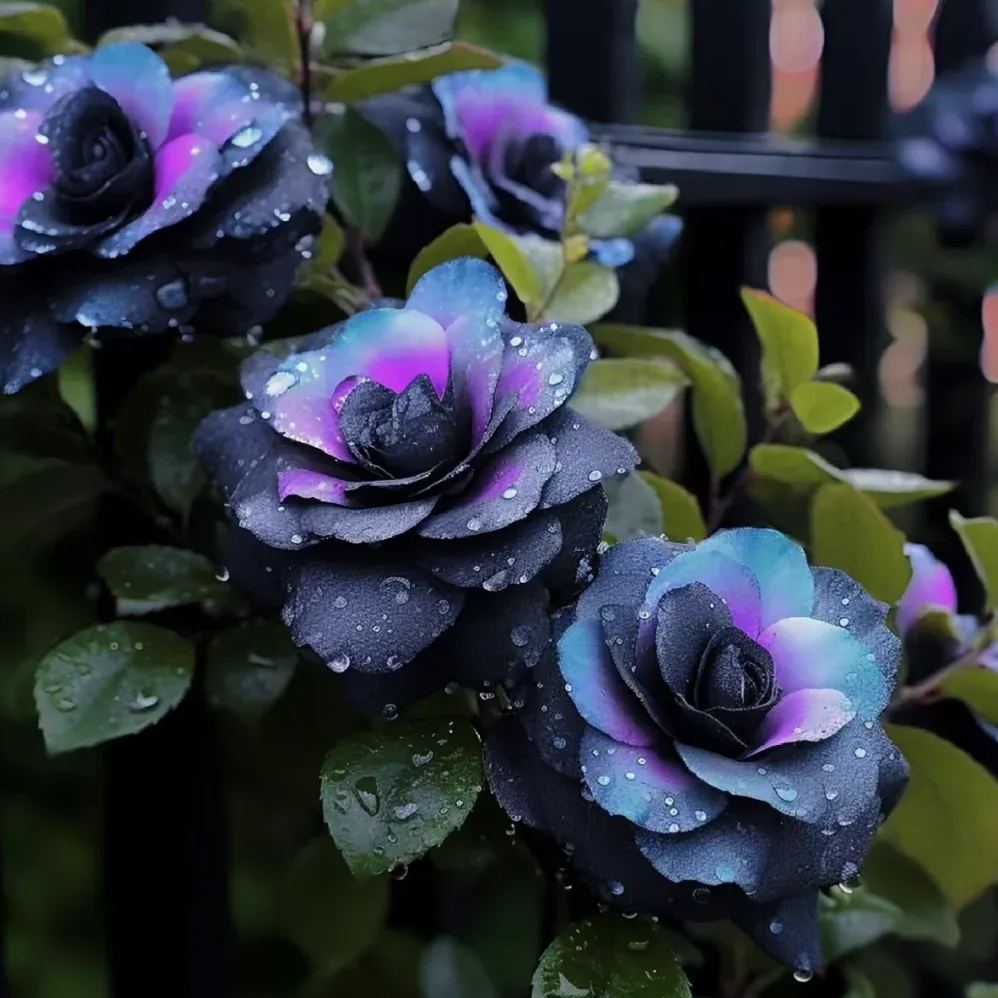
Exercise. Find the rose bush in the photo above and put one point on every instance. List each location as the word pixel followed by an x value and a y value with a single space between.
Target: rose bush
pixel 133 203
pixel 706 742
pixel 423 464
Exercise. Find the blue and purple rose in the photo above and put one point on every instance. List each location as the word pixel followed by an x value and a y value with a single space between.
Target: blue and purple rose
pixel 707 741
pixel 420 483
pixel 131 202
pixel 483 143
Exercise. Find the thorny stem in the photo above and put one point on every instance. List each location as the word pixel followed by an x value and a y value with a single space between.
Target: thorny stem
pixel 304 24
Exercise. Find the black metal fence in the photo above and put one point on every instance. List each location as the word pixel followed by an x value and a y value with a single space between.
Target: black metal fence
pixel 163 795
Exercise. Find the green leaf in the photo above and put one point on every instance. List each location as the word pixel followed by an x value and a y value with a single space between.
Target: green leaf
pixel 332 916
pixel 585 292
pixel 176 473
pixel 145 579
pixel 268 29
pixel 248 667
pixel 183 47
pixel 681 516
pixel 108 681
pixel 896 897
pixel 981 990
pixel 822 406
pixel 516 266
pixel 389 27
pixel 803 468
pixel 390 795
pixel 457 241
pixel 389 968
pixel 40 423
pixel 977 687
pixel 947 819
pixel 980 538
pixel 450 969
pixel 789 344
pixel 610 957
pixel 40 25
pixel 623 208
pixel 849 532
pixel 368 176
pixel 622 392
pixel 634 509
pixel 382 76
pixel 48 503
pixel 718 413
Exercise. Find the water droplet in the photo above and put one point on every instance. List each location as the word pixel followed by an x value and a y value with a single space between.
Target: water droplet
pixel 802 975
pixel 701 895
pixel 246 137
pixel 320 165
pixel 340 602
pixel 390 711
pixel 474 524
pixel 405 811
pixel 420 759
pixel 172 295
pixel 510 493
pixel 340 662
pixel 278 383
pixel 595 475
pixel 65 704
pixel 860 753
pixel 143 701
pixel 603 781
pixel 776 928
pixel 555 379
pixel 366 792
pixel 222 574
pixel 616 888
pixel 787 794
pixel 725 874
pixel 519 636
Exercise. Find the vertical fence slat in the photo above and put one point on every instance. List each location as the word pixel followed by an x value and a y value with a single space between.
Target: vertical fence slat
pixel 725 248
pixel 958 398
pixel 591 57
pixel 849 300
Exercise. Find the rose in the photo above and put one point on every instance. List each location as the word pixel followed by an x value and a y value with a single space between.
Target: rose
pixel 424 466
pixel 483 143
pixel 718 706
pixel 133 203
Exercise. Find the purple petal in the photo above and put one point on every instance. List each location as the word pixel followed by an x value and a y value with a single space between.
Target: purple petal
pixel 803 716
pixel 215 105
pixel 931 585
pixel 504 491
pixel 812 655
pixel 596 689
pixel 307 484
pixel 479 103
pixel 140 82
pixel 390 346
pixel 25 168
pixel 650 789
pixel 38 88
pixel 186 169
pixel 786 586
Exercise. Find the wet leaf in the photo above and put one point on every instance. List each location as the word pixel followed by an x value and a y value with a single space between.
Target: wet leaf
pixel 980 539
pixel 682 519
pixel 822 406
pixel 622 392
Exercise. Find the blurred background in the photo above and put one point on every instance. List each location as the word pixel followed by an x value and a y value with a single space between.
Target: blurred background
pixel 916 316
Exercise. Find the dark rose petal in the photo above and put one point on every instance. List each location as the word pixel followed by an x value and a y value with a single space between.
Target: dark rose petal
pixel 688 617
pixel 581 522
pixel 369 614
pixel 493 561
pixel 839 598
pixel 497 636
pixel 586 455
pixel 824 783
pixel 600 695
pixel 30 345
pixel 649 786
pixel 787 929
pixel 502 492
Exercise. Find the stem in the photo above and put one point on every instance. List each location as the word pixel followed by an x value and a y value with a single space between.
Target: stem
pixel 930 688
pixel 720 505
pixel 368 279
pixel 304 24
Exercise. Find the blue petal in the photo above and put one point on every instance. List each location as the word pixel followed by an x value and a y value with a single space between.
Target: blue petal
pixel 646 786
pixel 140 82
